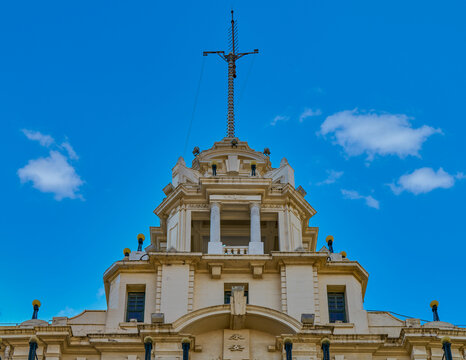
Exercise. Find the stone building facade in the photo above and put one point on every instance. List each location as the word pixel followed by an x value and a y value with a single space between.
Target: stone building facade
pixel 234 271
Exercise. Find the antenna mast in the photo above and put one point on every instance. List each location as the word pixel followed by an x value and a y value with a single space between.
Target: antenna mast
pixel 231 58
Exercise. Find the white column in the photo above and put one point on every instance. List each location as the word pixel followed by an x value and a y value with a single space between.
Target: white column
pixel 255 222
pixel 215 245
pixel 256 246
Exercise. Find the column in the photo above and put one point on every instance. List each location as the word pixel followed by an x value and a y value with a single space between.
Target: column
pixel 256 246
pixel 215 246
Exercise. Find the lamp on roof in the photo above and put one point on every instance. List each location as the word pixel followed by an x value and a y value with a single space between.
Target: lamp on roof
pixel 288 348
pixel 33 340
pixel 434 306
pixel 325 345
pixel 148 341
pixel 185 344
pixel 141 239
pixel 329 241
pixel 126 251
pixel 446 346
pixel 343 254
pixel 36 306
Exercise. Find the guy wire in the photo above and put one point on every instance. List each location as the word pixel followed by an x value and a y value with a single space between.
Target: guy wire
pixel 194 106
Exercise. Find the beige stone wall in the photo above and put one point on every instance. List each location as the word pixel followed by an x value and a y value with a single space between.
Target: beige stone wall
pixel 354 302
pixel 289 230
pixel 212 345
pixel 175 287
pixel 119 288
pixel 262 292
pixel 299 290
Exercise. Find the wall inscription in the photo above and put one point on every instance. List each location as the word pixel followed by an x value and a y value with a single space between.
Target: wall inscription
pixel 236 344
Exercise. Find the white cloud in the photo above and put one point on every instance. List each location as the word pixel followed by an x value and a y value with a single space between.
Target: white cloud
pixel 44 140
pixel 68 312
pixel 52 174
pixel 332 177
pixel 100 292
pixel 309 113
pixel 69 149
pixel 424 180
pixel 278 118
pixel 354 195
pixel 376 134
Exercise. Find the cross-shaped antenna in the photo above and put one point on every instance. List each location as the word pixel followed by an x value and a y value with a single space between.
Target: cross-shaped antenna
pixel 231 58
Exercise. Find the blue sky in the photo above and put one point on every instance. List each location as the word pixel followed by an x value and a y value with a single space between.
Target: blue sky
pixel 365 99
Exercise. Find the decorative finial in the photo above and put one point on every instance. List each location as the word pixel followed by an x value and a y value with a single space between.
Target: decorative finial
pixel 141 239
pixel 36 306
pixel 231 58
pixel 266 151
pixel 329 240
pixel 434 306
pixel 196 151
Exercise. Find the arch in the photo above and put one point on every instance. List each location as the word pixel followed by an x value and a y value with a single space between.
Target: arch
pixel 218 317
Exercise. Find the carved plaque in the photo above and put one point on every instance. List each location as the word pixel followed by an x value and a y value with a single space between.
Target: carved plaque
pixel 236 345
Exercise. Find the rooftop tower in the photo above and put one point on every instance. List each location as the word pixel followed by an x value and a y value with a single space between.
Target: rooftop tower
pixel 233 272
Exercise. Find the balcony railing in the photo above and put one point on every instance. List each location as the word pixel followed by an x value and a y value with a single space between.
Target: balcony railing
pixel 235 250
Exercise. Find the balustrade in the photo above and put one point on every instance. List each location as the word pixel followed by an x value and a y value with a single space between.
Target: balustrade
pixel 235 250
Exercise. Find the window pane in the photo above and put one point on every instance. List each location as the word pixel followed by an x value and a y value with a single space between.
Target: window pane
pixel 227 295
pixel 336 307
pixel 135 307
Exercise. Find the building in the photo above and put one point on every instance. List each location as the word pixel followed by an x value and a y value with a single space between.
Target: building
pixel 233 272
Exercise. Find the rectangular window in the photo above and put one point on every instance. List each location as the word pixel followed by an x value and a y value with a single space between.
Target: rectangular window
pixel 135 306
pixel 336 307
pixel 227 292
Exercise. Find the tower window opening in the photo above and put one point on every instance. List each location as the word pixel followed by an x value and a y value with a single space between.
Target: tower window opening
pixel 135 306
pixel 214 169
pixel 253 169
pixel 227 292
pixel 336 307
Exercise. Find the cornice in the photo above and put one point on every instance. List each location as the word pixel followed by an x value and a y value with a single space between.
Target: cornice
pixel 346 267
pixel 128 266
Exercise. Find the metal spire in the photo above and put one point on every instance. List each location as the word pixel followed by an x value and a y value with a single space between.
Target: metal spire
pixel 231 58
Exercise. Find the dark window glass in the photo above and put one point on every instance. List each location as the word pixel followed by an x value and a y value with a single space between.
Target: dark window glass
pixel 228 295
pixel 135 309
pixel 336 306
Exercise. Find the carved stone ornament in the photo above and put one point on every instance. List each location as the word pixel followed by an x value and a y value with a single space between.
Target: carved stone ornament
pixel 236 347
pixel 236 337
